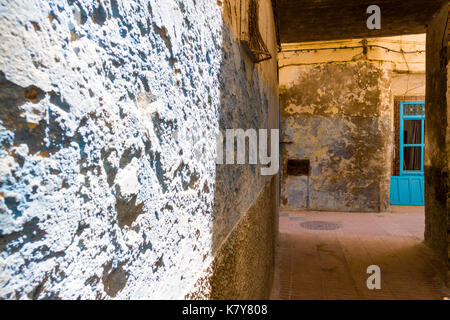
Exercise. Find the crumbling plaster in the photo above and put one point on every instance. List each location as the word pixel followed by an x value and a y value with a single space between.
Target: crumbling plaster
pixel 105 167
pixel 338 116
pixel 337 111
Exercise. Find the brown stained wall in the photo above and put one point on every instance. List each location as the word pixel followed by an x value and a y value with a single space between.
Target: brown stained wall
pixel 339 116
pixel 243 266
pixel 448 162
pixel 436 123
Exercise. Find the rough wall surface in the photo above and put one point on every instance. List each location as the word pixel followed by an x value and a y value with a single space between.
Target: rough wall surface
pixel 240 273
pixel 245 202
pixel 409 84
pixel 106 152
pixel 339 117
pixel 436 137
pixel 248 100
pixel 108 121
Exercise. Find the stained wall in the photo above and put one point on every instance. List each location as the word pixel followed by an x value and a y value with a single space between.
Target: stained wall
pixel 339 117
pixel 338 113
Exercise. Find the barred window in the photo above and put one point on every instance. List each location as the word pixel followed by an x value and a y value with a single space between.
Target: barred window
pixel 250 35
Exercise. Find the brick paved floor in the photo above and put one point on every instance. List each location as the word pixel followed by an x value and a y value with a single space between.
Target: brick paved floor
pixel 332 264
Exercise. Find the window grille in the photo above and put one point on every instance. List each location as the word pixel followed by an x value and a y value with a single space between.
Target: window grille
pixel 250 36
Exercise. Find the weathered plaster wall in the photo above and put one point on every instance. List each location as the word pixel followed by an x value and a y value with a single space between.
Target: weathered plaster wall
pixel 403 55
pixel 109 187
pixel 436 161
pixel 338 110
pixel 339 116
pixel 408 84
pixel 107 156
pixel 249 99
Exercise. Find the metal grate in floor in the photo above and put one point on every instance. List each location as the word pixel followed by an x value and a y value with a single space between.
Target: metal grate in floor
pixel 320 225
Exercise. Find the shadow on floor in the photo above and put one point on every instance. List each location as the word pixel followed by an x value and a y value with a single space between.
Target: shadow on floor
pixel 325 255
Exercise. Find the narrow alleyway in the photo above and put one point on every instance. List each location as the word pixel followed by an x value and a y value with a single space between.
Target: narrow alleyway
pixel 325 255
pixel 154 149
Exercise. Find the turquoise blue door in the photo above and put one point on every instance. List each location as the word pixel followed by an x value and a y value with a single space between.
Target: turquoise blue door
pixel 408 187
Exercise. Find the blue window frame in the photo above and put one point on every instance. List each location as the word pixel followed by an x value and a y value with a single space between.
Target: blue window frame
pixel 408 187
pixel 412 137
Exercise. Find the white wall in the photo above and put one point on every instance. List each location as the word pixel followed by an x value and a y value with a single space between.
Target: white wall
pixel 102 174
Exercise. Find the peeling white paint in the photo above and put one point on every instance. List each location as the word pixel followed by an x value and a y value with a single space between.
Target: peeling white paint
pixel 64 192
pixel 127 178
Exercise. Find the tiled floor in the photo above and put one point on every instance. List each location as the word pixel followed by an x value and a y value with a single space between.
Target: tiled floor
pixel 332 264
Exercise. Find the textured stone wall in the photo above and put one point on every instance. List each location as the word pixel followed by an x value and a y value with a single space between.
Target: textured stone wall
pixel 339 117
pixel 109 109
pixel 436 137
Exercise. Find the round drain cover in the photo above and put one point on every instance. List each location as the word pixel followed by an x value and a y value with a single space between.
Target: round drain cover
pixel 320 225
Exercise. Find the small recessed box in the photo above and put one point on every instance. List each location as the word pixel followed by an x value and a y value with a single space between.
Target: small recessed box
pixel 298 167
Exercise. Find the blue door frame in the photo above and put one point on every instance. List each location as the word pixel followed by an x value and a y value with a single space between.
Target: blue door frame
pixel 408 187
